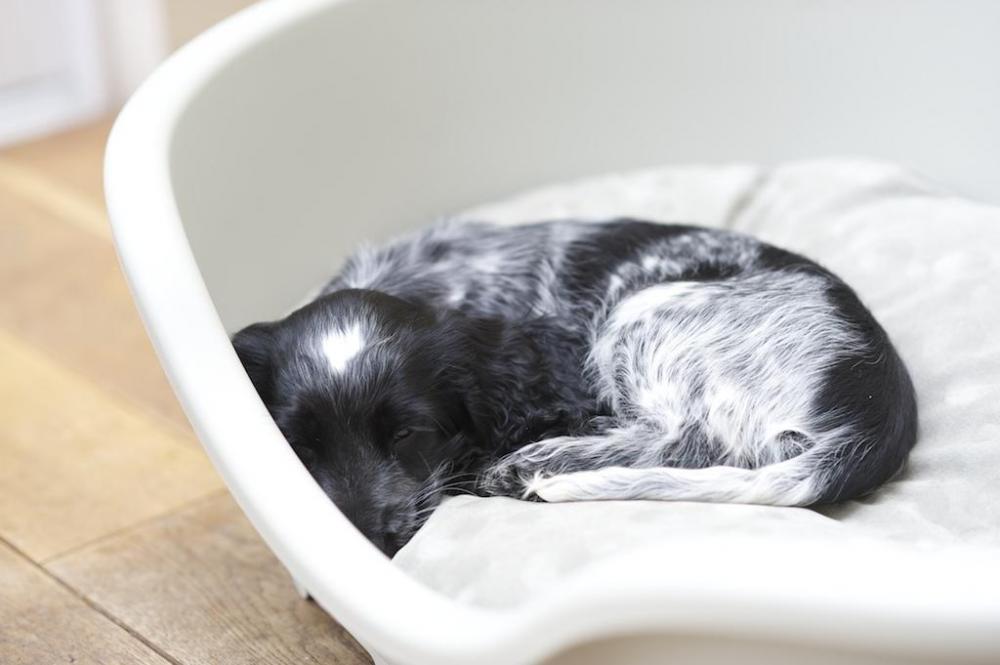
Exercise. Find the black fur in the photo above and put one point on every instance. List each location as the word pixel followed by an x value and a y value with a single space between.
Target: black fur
pixel 468 389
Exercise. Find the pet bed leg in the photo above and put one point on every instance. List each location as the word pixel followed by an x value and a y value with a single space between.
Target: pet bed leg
pixel 301 589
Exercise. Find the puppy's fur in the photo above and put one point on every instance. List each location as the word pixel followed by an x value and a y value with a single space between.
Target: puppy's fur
pixel 564 361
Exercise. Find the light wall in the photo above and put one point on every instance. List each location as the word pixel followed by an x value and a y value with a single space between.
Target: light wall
pixel 187 18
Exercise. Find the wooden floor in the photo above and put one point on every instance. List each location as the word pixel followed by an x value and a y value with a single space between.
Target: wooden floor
pixel 118 542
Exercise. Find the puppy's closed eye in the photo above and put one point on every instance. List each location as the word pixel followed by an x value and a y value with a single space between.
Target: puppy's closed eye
pixel 415 448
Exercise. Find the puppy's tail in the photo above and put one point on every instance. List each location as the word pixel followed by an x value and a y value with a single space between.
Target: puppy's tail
pixel 792 482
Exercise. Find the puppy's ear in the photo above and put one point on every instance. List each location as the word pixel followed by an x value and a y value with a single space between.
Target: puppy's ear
pixel 489 368
pixel 506 383
pixel 459 344
pixel 255 347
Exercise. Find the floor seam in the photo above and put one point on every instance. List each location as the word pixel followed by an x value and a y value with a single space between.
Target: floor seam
pixel 144 522
pixel 92 604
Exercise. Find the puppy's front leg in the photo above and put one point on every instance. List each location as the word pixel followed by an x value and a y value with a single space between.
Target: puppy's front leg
pixel 514 474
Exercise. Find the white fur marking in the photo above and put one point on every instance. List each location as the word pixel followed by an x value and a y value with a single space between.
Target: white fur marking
pixel 341 345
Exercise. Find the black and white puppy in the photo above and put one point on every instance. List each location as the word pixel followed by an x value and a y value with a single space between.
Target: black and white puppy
pixel 570 361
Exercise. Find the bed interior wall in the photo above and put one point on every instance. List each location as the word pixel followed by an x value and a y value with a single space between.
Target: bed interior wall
pixel 400 113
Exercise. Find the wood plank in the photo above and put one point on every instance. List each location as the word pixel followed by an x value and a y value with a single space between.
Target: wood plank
pixel 62 290
pixel 69 164
pixel 54 198
pixel 202 586
pixel 42 622
pixel 79 464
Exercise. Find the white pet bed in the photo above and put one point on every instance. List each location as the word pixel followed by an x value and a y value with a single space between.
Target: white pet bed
pixel 263 152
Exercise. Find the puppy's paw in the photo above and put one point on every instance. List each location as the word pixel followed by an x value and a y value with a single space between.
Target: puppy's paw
pixel 550 489
pixel 575 486
pixel 510 480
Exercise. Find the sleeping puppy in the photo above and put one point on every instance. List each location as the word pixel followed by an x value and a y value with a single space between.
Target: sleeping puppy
pixel 566 361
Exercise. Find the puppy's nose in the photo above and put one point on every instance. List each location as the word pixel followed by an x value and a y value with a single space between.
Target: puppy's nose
pixel 365 519
pixel 392 542
pixel 389 542
pixel 383 537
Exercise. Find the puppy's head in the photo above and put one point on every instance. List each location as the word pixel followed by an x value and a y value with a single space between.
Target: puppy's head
pixel 368 390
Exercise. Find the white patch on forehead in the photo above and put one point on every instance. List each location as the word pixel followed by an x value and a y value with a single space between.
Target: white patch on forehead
pixel 341 345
